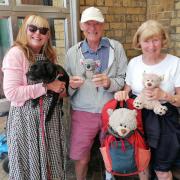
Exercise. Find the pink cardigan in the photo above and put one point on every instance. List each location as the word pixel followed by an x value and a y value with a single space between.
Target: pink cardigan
pixel 16 89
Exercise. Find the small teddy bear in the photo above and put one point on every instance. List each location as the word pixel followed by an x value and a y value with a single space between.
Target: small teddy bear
pixel 122 122
pixel 150 81
pixel 90 66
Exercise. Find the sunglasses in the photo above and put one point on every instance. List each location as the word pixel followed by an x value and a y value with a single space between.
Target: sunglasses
pixel 42 30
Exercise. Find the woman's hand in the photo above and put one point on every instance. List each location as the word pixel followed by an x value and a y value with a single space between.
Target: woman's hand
pixel 101 80
pixel 159 94
pixel 76 82
pixel 154 94
pixel 56 86
pixel 63 93
pixel 121 95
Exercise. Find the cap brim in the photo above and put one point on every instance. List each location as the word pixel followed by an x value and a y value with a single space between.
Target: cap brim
pixel 92 19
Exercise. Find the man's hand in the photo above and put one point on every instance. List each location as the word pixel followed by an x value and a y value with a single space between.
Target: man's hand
pixel 101 80
pixel 76 82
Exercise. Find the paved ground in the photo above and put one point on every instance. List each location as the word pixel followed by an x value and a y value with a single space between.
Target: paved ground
pixel 3 174
pixel 95 167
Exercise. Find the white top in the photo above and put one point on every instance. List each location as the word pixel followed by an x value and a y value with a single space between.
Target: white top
pixel 169 68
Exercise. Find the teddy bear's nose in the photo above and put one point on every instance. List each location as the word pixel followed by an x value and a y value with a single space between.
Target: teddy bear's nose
pixel 149 84
pixel 123 131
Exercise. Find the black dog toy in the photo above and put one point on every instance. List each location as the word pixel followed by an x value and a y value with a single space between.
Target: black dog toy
pixel 46 72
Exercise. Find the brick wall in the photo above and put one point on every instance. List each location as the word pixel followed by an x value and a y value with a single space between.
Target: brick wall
pixel 58 3
pixel 60 41
pixel 175 29
pixel 123 17
pixel 168 13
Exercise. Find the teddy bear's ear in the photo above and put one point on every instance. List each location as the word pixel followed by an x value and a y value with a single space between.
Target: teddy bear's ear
pixel 109 111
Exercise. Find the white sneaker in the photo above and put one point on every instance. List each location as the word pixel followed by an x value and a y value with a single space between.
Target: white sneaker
pixel 109 176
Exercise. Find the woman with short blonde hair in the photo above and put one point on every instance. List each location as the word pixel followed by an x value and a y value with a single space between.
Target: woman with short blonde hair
pixel 162 132
pixel 148 30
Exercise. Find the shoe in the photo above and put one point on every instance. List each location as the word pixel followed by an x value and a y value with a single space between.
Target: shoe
pixel 112 178
pixel 109 176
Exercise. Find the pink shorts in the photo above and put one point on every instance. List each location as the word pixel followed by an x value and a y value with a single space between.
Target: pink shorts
pixel 84 128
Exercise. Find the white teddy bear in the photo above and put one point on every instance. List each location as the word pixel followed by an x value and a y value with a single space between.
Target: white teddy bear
pixel 122 121
pixel 150 81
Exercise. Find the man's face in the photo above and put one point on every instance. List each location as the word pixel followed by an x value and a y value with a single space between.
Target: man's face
pixel 92 30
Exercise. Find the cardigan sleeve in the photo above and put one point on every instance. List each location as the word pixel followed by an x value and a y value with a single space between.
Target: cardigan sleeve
pixel 15 85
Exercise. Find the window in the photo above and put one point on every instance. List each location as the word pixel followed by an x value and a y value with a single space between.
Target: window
pixel 5 43
pixel 4 2
pixel 56 3
pixel 5 36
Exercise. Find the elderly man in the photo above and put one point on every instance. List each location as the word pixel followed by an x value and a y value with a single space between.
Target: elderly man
pixel 89 94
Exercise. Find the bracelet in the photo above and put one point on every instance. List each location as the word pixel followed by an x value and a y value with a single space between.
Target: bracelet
pixel 171 98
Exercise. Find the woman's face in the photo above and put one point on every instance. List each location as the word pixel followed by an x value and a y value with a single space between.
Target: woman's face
pixel 151 46
pixel 37 37
pixel 92 30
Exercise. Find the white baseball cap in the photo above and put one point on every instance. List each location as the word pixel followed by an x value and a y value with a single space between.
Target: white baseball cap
pixel 92 13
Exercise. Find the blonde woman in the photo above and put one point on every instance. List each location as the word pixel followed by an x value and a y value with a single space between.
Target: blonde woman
pixel 162 132
pixel 36 148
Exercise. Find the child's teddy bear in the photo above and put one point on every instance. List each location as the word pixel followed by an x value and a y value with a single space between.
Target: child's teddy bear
pixel 150 81
pixel 122 122
pixel 90 66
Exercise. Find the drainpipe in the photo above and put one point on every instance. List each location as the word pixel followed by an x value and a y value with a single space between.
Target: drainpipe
pixel 75 16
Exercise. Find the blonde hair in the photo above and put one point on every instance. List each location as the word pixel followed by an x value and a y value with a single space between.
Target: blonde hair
pixel 148 30
pixel 22 41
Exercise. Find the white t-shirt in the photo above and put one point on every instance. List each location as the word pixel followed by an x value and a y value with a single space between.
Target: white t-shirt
pixel 169 68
